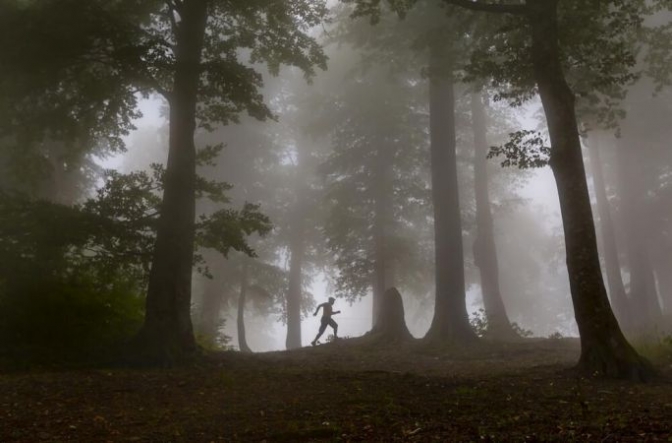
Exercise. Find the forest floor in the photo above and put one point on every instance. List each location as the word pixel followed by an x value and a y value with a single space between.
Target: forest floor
pixel 341 392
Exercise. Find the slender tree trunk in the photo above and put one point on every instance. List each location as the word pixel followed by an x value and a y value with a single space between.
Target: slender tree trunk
pixel 240 319
pixel 381 218
pixel 210 308
pixel 664 278
pixel 485 249
pixel 297 251
pixel 619 300
pixel 451 321
pixel 167 333
pixel 646 311
pixel 604 349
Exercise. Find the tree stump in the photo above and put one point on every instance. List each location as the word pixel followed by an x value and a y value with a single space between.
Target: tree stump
pixel 391 326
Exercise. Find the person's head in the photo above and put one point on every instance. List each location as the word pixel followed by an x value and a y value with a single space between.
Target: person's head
pixel 331 300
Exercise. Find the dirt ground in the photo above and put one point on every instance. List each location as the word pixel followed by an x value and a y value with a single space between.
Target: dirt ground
pixel 341 392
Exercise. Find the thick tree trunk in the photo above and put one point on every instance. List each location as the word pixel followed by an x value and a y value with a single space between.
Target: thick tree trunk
pixel 485 249
pixel 240 319
pixel 382 190
pixel 167 333
pixel 391 326
pixel 451 321
pixel 619 300
pixel 604 349
pixel 297 252
pixel 645 308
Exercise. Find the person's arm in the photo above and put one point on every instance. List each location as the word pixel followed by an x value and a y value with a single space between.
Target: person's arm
pixel 317 310
pixel 335 312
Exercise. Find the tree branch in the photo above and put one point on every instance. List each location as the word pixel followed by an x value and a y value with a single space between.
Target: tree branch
pixel 173 9
pixel 497 8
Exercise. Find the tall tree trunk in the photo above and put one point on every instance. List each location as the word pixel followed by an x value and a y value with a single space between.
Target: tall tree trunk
pixel 240 319
pixel 619 300
pixel 646 311
pixel 485 249
pixel 297 252
pixel 664 278
pixel 210 308
pixel 451 321
pixel 167 333
pixel 382 190
pixel 604 349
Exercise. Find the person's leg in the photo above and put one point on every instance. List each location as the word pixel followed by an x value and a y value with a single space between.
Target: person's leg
pixel 334 326
pixel 323 327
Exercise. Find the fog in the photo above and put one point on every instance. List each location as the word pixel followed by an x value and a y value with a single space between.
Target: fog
pixel 537 196
pixel 390 145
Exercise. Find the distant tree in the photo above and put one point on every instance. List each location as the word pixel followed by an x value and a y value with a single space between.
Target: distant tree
pixel 435 41
pixel 556 33
pixel 273 165
pixel 189 52
pixel 451 320
pixel 618 295
pixel 485 250
pixel 376 185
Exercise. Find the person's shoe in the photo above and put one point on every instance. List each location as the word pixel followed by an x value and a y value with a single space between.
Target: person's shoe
pixel 314 342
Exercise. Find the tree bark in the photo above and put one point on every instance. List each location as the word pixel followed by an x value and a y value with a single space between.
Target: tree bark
pixel 646 312
pixel 240 319
pixel 297 252
pixel 485 249
pixel 619 300
pixel 451 321
pixel 382 189
pixel 391 326
pixel 604 349
pixel 664 278
pixel 210 308
pixel 167 333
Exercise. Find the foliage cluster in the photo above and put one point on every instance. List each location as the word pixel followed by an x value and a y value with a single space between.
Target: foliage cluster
pixel 71 277
pixel 479 323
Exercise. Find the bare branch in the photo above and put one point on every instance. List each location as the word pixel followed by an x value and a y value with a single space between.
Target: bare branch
pixel 175 5
pixel 173 8
pixel 498 8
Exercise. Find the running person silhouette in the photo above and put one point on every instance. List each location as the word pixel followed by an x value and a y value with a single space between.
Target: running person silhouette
pixel 327 312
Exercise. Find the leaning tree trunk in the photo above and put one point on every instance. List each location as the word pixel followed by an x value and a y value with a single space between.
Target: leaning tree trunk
pixel 619 300
pixel 240 319
pixel 485 250
pixel 604 349
pixel 297 252
pixel 646 311
pixel 451 321
pixel 167 333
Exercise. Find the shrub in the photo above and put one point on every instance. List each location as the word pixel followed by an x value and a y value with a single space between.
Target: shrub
pixel 76 317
